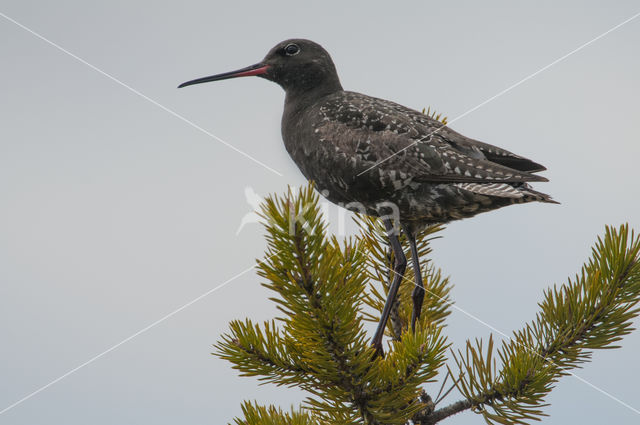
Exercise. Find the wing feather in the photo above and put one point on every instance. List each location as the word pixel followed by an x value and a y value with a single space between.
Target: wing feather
pixel 384 137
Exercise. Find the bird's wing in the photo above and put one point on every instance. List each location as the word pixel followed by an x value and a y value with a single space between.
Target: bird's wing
pixel 498 155
pixel 472 147
pixel 381 138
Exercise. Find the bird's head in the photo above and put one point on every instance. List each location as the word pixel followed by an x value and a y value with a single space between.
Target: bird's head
pixel 297 65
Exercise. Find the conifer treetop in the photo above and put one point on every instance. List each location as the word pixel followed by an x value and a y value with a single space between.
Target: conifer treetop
pixel 326 289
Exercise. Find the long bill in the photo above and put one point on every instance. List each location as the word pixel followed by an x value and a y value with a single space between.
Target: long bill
pixel 249 71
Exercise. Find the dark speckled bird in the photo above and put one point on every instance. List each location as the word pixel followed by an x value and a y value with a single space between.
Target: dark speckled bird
pixel 378 157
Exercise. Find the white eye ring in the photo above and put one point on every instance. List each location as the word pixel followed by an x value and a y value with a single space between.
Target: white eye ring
pixel 291 49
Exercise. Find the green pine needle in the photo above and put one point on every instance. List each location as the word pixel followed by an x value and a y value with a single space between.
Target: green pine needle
pixel 592 311
pixel 326 289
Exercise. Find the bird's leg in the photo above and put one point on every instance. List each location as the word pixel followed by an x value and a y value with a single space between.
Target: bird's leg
pixel 418 292
pixel 400 264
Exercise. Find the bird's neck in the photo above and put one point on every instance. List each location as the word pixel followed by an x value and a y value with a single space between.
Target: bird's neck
pixel 296 106
pixel 300 97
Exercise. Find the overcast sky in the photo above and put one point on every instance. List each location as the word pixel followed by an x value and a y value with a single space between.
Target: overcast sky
pixel 115 213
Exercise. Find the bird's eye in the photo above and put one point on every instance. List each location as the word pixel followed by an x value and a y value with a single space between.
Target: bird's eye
pixel 291 49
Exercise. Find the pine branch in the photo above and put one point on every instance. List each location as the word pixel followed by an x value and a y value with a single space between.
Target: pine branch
pixel 593 311
pixel 322 286
pixel 264 354
pixel 411 362
pixel 255 414
pixel 443 413
pixel 319 343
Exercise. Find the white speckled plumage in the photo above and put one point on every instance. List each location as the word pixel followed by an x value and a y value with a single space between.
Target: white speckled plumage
pixel 432 173
pixel 381 158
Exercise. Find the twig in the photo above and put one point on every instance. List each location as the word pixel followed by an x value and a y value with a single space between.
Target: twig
pixel 445 412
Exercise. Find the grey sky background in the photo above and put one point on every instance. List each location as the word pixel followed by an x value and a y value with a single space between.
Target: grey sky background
pixel 115 213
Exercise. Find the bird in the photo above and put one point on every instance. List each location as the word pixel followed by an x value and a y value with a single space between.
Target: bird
pixel 380 158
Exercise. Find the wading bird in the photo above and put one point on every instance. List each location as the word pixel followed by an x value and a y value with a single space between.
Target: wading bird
pixel 384 159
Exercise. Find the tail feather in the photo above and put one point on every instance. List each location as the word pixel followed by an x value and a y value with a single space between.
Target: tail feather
pixel 520 192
